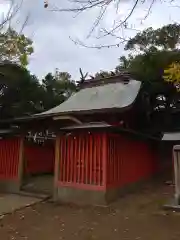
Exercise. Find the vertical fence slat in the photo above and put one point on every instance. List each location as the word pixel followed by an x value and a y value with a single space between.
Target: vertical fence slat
pixel 1 161
pixel 104 161
pixel 100 159
pixel 94 160
pixel 118 161
pixel 87 158
pixel 110 161
pixel 68 156
pixel 9 158
pixel 107 164
pixel 75 160
pixel 78 158
pixel 83 161
pixel 91 156
pixel 64 160
pixel 71 159
pixel 6 162
pixel 99 155
pixel 115 160
pixel 60 158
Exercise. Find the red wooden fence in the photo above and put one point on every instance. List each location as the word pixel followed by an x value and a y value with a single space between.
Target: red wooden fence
pixel 97 161
pixel 129 160
pixel 81 160
pixel 9 158
pixel 88 160
pixel 38 159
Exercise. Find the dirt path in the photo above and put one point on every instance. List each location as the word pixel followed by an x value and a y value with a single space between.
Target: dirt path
pixel 134 217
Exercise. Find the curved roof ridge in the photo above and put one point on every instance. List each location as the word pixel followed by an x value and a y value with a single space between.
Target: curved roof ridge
pixel 110 96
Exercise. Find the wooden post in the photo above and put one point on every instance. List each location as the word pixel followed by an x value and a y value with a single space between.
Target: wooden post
pixel 104 160
pixel 21 162
pixel 176 156
pixel 56 165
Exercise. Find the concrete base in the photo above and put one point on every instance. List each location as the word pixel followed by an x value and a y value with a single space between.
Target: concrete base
pixel 172 205
pixel 9 186
pixel 93 197
pixel 112 194
pixel 80 196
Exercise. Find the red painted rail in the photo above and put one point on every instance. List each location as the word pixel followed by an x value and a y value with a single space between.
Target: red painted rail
pixel 9 158
pixel 81 160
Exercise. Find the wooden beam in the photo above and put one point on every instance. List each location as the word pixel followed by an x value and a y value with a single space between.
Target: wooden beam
pixel 56 164
pixel 68 118
pixel 176 157
pixel 104 160
pixel 21 161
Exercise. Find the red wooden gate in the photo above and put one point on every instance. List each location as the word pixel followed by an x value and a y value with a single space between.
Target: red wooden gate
pixel 81 160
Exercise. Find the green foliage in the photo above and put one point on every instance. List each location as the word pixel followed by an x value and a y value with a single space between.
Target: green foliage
pixel 149 66
pixel 22 94
pixel 124 63
pixel 158 50
pixel 167 38
pixel 172 74
pixel 14 47
pixel 102 74
pixel 58 87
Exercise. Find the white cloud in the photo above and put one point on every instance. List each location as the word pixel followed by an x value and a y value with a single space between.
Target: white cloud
pixel 4 7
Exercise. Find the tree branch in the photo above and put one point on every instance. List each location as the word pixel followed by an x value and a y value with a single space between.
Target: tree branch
pixel 88 5
pixel 79 6
pixel 82 44
pixel 13 10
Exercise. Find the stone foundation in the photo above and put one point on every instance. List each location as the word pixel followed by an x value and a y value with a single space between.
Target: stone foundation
pixel 95 197
pixel 79 196
pixel 172 205
pixel 92 197
pixel 9 186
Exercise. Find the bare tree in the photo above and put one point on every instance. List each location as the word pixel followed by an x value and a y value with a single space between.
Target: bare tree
pixel 11 38
pixel 13 9
pixel 120 22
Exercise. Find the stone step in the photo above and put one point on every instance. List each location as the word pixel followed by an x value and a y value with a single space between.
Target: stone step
pixel 35 195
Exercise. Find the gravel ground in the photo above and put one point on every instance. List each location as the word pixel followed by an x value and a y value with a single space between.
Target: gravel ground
pixel 137 216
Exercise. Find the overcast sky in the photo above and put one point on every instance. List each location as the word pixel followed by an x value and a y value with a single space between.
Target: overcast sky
pixel 50 32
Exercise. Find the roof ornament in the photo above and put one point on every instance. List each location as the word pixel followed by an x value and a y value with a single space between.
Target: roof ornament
pixel 91 77
pixel 83 76
pixel 35 136
pixel 113 73
pixel 45 3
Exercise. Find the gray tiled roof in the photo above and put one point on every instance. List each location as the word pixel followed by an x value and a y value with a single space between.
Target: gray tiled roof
pixel 110 96
pixel 171 136
pixel 88 125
